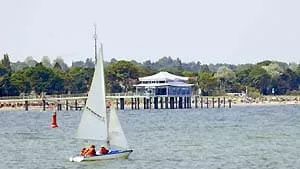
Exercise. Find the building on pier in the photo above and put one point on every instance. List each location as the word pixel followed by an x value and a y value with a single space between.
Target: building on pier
pixel 164 84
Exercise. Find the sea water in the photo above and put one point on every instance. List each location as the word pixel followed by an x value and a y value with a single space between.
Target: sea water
pixel 240 137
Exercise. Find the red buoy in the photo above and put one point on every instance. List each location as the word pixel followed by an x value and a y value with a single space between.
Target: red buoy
pixel 53 122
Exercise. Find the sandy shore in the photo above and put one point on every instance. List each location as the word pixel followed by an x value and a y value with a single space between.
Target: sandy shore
pixel 267 103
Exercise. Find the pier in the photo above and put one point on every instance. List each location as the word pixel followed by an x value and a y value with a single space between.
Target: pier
pixel 120 101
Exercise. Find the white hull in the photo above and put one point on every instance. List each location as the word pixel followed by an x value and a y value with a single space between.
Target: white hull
pixel 109 156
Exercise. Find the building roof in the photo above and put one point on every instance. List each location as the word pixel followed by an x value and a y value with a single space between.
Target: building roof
pixel 163 76
pixel 178 84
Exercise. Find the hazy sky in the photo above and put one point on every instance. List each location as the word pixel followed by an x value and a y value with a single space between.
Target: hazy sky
pixel 209 31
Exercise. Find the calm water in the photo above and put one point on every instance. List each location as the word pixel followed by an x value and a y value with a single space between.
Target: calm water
pixel 241 137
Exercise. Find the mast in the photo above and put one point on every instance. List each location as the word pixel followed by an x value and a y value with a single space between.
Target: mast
pixel 107 127
pixel 95 39
pixel 106 110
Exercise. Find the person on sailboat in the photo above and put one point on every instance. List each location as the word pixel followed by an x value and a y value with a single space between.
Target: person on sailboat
pixel 83 151
pixel 90 151
pixel 103 150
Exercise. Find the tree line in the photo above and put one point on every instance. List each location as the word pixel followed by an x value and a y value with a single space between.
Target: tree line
pixel 32 77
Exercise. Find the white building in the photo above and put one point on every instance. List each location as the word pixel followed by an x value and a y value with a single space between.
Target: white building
pixel 164 84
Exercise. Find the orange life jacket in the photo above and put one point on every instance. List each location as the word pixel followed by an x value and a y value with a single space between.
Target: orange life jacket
pixel 103 150
pixel 90 152
pixel 83 151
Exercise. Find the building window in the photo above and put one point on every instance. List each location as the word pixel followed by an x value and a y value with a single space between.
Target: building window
pixel 161 91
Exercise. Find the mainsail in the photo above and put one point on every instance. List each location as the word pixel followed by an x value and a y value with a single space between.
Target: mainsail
pixel 116 134
pixel 93 124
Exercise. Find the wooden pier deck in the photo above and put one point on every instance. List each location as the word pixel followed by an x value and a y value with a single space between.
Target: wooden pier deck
pixel 120 101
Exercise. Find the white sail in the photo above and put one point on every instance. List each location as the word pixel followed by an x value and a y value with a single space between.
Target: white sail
pixel 116 134
pixel 93 121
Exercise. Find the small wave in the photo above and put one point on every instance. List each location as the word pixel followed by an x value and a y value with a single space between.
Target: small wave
pixel 260 137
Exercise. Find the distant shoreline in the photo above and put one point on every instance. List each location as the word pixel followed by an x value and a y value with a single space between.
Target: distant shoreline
pixel 266 100
pixel 267 103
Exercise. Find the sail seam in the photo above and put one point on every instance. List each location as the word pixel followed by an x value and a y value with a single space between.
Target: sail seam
pixel 94 113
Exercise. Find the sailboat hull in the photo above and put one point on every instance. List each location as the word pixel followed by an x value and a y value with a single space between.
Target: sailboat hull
pixel 109 156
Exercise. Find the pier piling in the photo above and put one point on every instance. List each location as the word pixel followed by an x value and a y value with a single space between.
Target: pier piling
pixel 117 103
pixel 166 102
pixel 161 103
pixel 76 105
pixel 44 105
pixel 155 102
pixel 132 103
pixel 180 103
pixel 67 105
pixel 145 103
pixel 26 105
pixel 207 102
pixel 122 102
pixel 201 102
pixel 172 102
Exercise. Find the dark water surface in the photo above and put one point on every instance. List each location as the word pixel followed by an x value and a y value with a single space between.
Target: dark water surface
pixel 241 137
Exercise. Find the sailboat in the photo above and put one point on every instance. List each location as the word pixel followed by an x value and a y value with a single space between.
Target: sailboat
pixel 99 123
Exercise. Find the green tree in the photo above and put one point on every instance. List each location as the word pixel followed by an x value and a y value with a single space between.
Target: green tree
pixel 226 77
pixel 298 77
pixel 260 79
pixel 273 69
pixel 61 63
pixel 6 62
pixel 78 79
pixel 204 68
pixel 6 88
pixel 122 73
pixel 285 82
pixel 21 82
pixel 43 79
pixel 207 83
pixel 242 76
pixel 264 63
pixel 57 66
pixel 3 70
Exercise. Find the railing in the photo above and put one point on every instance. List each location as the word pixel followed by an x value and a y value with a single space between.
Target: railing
pixel 40 97
pixel 121 94
pixel 18 97
pixel 66 95
pixel 61 96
